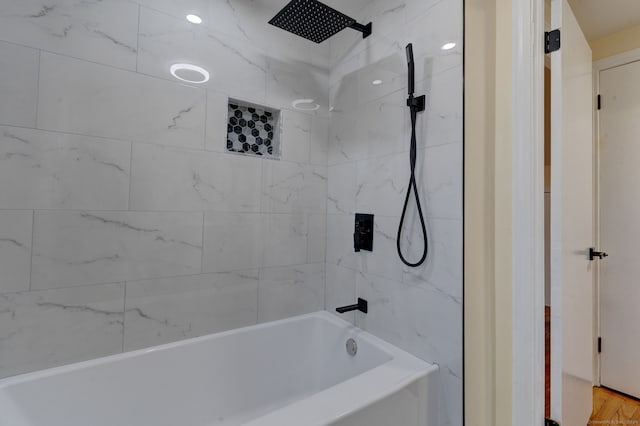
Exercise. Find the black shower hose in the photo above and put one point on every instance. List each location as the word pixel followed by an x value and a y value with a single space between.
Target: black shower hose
pixel 413 186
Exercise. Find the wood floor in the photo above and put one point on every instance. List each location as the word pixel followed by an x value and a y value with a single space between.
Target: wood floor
pixel 611 408
pixel 547 362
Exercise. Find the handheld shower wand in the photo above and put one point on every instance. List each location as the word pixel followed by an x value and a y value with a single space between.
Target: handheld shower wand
pixel 416 105
pixel 412 70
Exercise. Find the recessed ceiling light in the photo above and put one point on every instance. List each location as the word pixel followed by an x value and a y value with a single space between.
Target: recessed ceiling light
pixel 448 46
pixel 376 82
pixel 189 73
pixel 305 105
pixel 194 19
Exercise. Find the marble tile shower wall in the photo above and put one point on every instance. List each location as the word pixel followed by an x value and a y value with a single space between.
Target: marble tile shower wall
pixel 419 310
pixel 123 221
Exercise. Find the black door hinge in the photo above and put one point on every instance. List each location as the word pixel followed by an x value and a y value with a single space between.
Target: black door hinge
pixel 549 422
pixel 599 345
pixel 599 102
pixel 551 41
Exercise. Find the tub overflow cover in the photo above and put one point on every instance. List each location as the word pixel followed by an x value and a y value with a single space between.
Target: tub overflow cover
pixel 352 347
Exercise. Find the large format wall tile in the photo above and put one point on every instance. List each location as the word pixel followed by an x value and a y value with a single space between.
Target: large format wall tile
pixel 94 30
pixel 384 259
pixel 291 290
pixel 44 329
pixel 244 20
pixel 443 268
pixel 317 238
pixel 424 310
pixel 340 290
pixel 76 248
pixel 285 240
pixel 15 250
pixel 443 121
pixel 340 241
pixel 382 184
pixel 289 81
pixel 341 188
pixel 384 128
pixel 18 84
pixel 384 319
pixel 217 119
pixel 441 191
pixel 91 99
pixel 168 309
pixel 319 142
pixel 170 179
pixel 417 309
pixel 296 135
pixel 236 67
pixel 294 188
pixel 232 241
pixel 46 170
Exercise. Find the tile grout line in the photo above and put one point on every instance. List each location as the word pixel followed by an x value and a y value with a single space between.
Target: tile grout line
pixel 183 149
pixel 258 295
pixel 33 228
pixel 206 118
pixel 35 125
pixel 130 176
pixel 202 242
pixel 69 287
pixel 138 38
pixel 124 314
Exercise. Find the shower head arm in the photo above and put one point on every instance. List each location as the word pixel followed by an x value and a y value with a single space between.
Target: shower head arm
pixel 364 29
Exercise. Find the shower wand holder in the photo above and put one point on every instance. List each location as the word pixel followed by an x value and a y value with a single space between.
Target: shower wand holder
pixel 419 102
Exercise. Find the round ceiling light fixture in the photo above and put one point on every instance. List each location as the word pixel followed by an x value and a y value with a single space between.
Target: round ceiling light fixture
pixel 194 19
pixel 305 105
pixel 448 46
pixel 189 73
pixel 377 82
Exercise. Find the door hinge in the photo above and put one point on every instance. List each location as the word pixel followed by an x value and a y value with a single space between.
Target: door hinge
pixel 599 345
pixel 551 41
pixel 599 102
pixel 549 422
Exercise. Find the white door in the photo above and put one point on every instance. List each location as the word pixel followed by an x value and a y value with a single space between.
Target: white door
pixel 619 199
pixel 572 222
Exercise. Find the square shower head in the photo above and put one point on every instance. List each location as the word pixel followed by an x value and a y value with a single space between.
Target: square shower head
pixel 312 20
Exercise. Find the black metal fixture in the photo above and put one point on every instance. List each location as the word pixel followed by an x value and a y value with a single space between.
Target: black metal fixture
pixel 363 232
pixel 599 254
pixel 552 41
pixel 362 306
pixel 416 105
pixel 315 21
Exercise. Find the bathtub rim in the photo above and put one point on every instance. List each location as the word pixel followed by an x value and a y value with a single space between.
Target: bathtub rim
pixel 365 389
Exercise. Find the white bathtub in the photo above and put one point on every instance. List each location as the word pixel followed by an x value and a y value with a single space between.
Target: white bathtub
pixel 291 372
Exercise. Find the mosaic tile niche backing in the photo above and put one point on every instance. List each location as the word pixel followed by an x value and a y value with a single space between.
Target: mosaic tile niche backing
pixel 253 130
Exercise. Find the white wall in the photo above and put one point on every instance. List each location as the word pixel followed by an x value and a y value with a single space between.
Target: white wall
pixel 123 222
pixel 419 310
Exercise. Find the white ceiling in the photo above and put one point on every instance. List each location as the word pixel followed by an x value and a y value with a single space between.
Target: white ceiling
pixel 599 18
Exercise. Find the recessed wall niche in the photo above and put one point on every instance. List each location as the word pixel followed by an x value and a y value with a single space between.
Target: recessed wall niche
pixel 253 129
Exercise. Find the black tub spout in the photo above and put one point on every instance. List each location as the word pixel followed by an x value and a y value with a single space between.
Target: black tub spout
pixel 362 306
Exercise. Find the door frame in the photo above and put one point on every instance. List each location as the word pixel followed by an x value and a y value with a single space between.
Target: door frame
pixel 527 210
pixel 599 66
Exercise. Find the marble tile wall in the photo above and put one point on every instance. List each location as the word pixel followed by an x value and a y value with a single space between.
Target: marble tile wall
pixel 417 309
pixel 124 223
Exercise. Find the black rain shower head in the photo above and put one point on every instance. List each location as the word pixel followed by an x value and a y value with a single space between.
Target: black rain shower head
pixel 315 21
